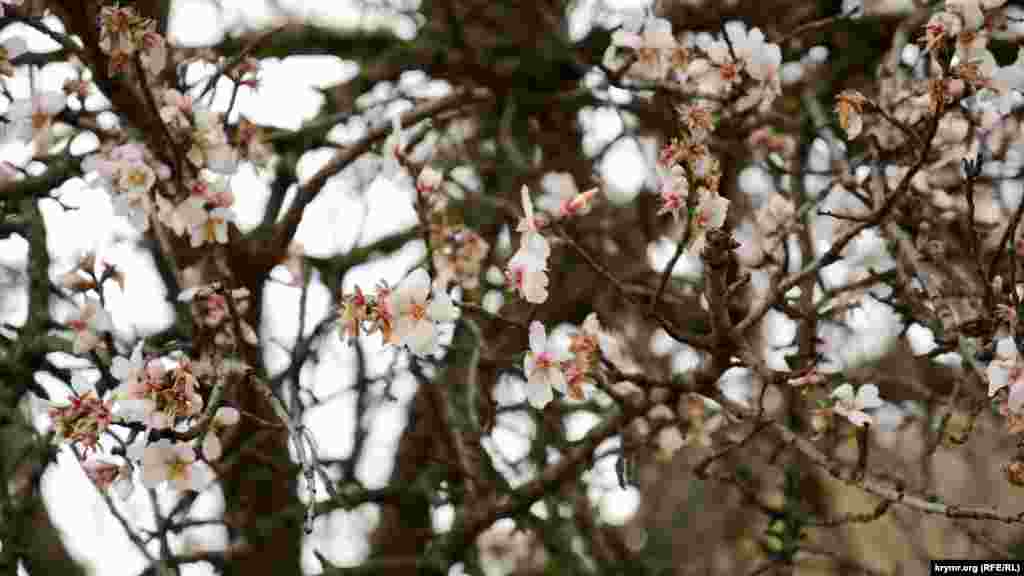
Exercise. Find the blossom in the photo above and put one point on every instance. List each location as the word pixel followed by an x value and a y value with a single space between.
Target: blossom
pixel 971 11
pixel 91 321
pixel 210 147
pixel 175 463
pixel 226 416
pixel 563 198
pixel 542 367
pixel 527 274
pixel 352 313
pixel 116 24
pixel 852 407
pixel 135 177
pixel 156 396
pixel 654 48
pixel 84 420
pixel 674 190
pixel 761 59
pixel 709 215
pixel 30 118
pixel 849 106
pixel 528 266
pixel 716 73
pixel 1007 370
pixel 413 318
pixel 105 475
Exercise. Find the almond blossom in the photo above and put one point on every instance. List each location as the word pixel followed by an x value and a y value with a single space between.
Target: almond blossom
pixel 92 320
pixel 1007 370
pixel 970 11
pixel 563 198
pixel 542 366
pixel 414 320
pixel 709 214
pixel 163 461
pixel 352 313
pixel 852 407
pixel 83 420
pixel 104 474
pixel 527 270
pixel 654 47
pixel 210 147
pixel 718 72
pixel 527 273
pixel 674 190
pixel 156 396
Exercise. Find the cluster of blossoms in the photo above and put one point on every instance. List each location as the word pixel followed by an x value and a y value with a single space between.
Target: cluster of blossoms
pixel 687 163
pixel 83 420
pixel 200 129
pixel 548 366
pixel 123 33
pixel 742 59
pixel 129 172
pixel 161 394
pixel 407 315
pixel 204 214
pixel 963 29
pixel 967 87
pixel 527 269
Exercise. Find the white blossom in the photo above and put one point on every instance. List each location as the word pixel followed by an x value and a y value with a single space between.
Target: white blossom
pixel 542 367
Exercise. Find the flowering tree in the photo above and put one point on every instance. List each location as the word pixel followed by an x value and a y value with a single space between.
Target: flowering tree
pixel 809 298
